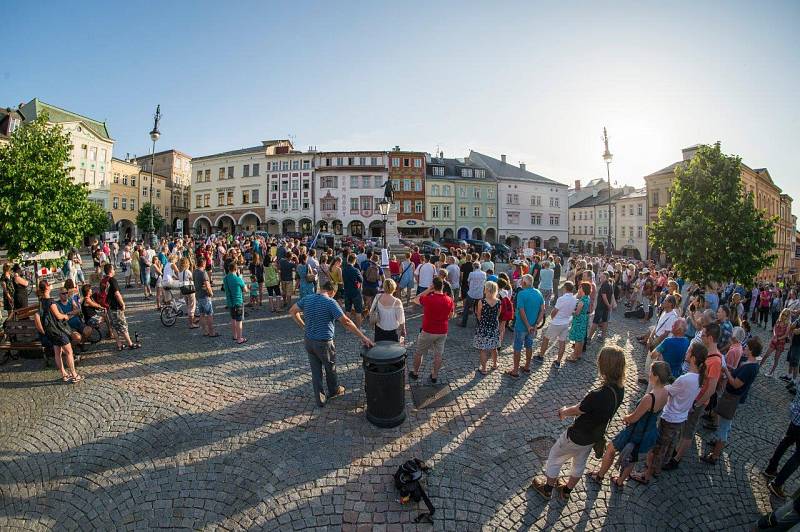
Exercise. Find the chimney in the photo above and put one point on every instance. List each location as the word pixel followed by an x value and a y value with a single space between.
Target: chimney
pixel 577 184
pixel 127 156
pixel 441 154
pixel 503 158
pixel 522 166
pixel 689 152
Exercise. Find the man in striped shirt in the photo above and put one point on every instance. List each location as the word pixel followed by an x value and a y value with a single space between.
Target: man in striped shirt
pixel 320 312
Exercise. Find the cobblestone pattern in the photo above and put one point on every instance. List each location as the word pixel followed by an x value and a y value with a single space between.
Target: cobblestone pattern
pixel 197 433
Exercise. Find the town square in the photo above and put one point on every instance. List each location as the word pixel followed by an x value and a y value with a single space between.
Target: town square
pixel 257 278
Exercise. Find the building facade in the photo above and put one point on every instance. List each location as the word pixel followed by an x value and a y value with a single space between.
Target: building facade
pixel 589 221
pixel 631 224
pixel 125 197
pixel 758 182
pixel 161 198
pixel 581 192
pixel 348 188
pixel 461 200
pixel 407 172
pixel 532 209
pixel 10 120
pixel 92 147
pixel 289 175
pixel 176 166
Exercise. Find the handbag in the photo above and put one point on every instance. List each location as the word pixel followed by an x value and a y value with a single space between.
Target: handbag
pixel 726 404
pixel 599 446
pixel 187 287
pixel 54 328
pixel 374 317
pixel 311 275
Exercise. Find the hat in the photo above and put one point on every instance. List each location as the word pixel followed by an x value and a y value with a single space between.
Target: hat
pixel 645 270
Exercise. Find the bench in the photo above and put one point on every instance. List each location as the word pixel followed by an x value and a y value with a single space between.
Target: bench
pixel 20 335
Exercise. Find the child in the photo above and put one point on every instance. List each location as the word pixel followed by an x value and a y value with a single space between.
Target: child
pixel 779 334
pixel 254 291
pixel 641 432
pixel 507 307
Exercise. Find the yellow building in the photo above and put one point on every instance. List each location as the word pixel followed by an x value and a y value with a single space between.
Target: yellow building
pixel 162 198
pixel 766 194
pixel 124 193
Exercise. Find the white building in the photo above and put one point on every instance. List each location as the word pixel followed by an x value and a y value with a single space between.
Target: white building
pixel 290 186
pixel 631 223
pixel 532 209
pixel 92 147
pixel 348 188
pixel 589 221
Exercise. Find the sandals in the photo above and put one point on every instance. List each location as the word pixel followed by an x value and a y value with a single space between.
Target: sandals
pixel 135 345
pixel 595 477
pixel 213 335
pixel 526 369
pixel 75 379
pixel 65 378
pixel 615 483
pixel 512 374
pixel 639 477
pixel 241 341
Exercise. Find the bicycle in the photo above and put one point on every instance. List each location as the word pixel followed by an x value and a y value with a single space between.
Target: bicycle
pixel 172 310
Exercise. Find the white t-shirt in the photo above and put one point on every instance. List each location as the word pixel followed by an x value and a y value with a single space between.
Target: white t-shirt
pixel 665 322
pixel 390 317
pixel 566 306
pixel 682 393
pixel 425 273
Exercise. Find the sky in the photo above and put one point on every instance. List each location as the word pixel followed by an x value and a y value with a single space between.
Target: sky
pixel 536 81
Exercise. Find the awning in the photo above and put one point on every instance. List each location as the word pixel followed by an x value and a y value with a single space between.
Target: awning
pixel 412 224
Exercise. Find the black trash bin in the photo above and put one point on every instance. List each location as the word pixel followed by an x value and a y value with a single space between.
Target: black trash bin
pixel 385 382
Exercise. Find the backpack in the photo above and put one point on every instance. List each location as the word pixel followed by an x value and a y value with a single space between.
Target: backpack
pixel 407 480
pixel 638 313
pixel 506 309
pixel 372 274
pixel 102 295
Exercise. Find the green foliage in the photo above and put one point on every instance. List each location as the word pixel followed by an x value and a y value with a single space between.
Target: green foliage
pixel 97 218
pixel 143 219
pixel 41 208
pixel 710 230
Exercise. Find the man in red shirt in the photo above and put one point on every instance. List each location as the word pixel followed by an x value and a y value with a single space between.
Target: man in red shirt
pixel 437 308
pixel 711 376
pixel 416 258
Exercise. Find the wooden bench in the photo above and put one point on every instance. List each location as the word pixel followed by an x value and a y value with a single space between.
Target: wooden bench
pixel 20 335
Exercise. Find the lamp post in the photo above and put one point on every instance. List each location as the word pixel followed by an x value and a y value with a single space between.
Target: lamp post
pixel 384 206
pixel 607 158
pixel 154 136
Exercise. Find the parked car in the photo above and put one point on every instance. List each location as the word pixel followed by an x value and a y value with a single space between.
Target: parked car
pixel 429 247
pixel 407 243
pixel 501 252
pixel 451 243
pixel 479 246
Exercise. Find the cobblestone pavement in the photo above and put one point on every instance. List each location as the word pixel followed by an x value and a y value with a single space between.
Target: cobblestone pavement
pixel 191 432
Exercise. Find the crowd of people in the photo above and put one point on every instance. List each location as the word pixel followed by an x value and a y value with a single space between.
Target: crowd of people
pixel 700 355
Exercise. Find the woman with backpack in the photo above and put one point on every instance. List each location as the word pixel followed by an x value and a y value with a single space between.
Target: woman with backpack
pixel 55 328
pixel 592 414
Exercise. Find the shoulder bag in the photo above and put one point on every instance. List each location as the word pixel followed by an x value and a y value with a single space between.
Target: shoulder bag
pixel 187 287
pixel 374 316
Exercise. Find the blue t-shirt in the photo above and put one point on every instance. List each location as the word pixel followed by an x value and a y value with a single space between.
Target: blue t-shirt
pixel 350 276
pixel 320 314
pixel 673 350
pixel 546 279
pixel 712 300
pixel 234 287
pixel 162 258
pixel 531 300
pixel 746 373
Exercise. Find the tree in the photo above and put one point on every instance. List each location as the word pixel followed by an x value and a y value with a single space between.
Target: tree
pixel 41 208
pixel 710 229
pixel 143 218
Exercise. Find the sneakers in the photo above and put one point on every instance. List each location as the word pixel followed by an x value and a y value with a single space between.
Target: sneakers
pixel 671 465
pixel 776 490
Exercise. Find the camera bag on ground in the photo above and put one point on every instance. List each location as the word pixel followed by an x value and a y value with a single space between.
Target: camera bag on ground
pixel 407 480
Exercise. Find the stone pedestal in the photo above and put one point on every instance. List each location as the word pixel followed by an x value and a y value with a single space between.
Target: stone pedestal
pixel 392 233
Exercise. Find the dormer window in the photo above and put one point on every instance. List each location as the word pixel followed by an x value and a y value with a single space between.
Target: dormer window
pixel 438 170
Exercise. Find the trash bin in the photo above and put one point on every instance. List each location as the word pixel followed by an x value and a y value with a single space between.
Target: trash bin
pixel 385 382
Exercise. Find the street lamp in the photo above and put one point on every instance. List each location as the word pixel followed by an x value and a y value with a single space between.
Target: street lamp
pixel 155 134
pixel 607 158
pixel 384 206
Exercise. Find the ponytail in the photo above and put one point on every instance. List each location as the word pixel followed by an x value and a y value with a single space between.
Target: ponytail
pixel 700 353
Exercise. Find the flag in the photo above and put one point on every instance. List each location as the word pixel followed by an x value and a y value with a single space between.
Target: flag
pixel 311 246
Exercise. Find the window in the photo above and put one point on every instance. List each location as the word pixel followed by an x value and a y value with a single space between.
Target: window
pixel 230 197
pixel 418 206
pixel 199 176
pixel 630 231
pixel 295 165
pixel 362 161
pixel 462 211
pixel 245 196
pixel 438 170
pixel 295 204
pixel 273 186
pixel 446 211
pixel 158 193
pixel 490 193
pixel 395 162
pixel 554 219
pixel 655 198
pixel 133 180
pixel 379 181
pixel 328 182
pixel 144 192
pixel 221 174
pixel 536 219
pixel 198 201
pixel 554 202
pixel 480 173
pixel 513 199
pixel 406 205
pixel 354 181
pixel 639 232
pixel 434 190
pixel 490 212
pixel 406 162
pixel 220 199
pixel 446 190
pixel 476 211
pixel 295 185
pixel 365 181
pixel 512 217
pixel 366 203
pixel 207 199
pixel 207 175
pixel 133 204
pixel 374 161
pixel 246 171
pixel 116 178
pixel 436 211
pixel 536 201
pixel 353 204
pixel 115 202
pixel 340 161
pixel 417 162
pixel 305 184
pixel 622 211
pixel 329 204
pixel 125 180
pixel 230 172
pixel 305 203
pixel 124 203
pixel 406 185
pixel 638 209
pixel 84 151
pixel 93 153
pixel 418 185
pixel 466 172
pixel 284 205
pixel 462 191
pixel 477 192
